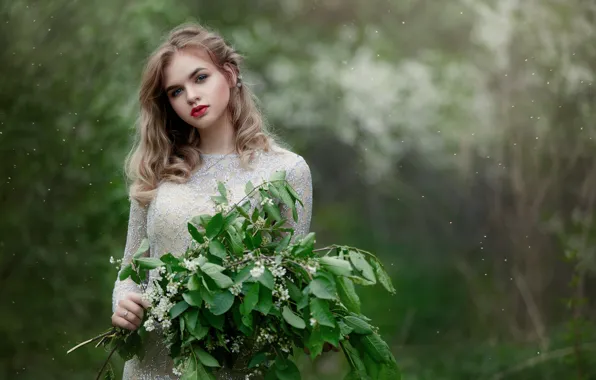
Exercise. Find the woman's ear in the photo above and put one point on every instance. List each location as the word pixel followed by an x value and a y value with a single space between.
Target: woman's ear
pixel 231 74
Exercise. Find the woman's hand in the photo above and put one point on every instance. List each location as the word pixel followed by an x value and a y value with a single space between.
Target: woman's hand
pixel 129 312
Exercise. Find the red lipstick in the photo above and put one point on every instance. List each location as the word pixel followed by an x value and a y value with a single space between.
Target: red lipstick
pixel 198 111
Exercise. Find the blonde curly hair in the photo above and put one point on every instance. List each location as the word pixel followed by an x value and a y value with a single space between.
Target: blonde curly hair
pixel 165 147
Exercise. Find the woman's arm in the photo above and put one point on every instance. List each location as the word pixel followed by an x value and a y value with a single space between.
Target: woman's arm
pixel 137 231
pixel 299 177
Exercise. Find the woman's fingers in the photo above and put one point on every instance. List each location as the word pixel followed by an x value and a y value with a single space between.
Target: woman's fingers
pixel 138 299
pixel 121 322
pixel 132 307
pixel 131 317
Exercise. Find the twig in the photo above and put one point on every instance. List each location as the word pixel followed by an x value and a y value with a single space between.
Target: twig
pixel 557 354
pixel 532 308
pixel 105 363
pixel 111 331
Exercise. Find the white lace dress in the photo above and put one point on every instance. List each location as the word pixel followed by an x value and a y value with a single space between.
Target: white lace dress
pixel 164 223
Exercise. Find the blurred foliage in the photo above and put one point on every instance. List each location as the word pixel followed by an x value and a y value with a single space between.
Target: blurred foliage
pixel 454 139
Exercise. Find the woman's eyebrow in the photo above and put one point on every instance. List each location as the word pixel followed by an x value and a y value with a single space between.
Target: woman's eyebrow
pixel 195 71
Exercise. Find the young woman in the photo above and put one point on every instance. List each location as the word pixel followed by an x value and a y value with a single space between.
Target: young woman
pixel 199 124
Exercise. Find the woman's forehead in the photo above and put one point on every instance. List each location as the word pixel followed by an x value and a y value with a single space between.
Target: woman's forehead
pixel 186 60
pixel 193 55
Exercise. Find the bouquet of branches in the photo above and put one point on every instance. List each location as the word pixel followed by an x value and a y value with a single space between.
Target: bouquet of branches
pixel 245 283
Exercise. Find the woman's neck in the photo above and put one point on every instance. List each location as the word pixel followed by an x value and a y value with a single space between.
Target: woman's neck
pixel 220 138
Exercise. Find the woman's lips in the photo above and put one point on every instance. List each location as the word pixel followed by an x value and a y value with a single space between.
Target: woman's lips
pixel 198 111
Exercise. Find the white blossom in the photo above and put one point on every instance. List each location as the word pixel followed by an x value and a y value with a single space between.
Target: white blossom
pixel 278 271
pixel 281 292
pixel 235 289
pixel 192 265
pixel 172 288
pixel 267 201
pixel 258 270
pixel 149 324
pixel 166 324
pixel 313 322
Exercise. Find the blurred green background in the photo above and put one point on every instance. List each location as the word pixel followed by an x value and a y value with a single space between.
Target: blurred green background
pixel 455 139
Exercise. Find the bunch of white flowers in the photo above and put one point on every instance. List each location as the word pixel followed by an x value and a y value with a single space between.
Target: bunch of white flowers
pixel 266 335
pixel 281 292
pixel 236 289
pixel 278 270
pixel 193 264
pixel 258 269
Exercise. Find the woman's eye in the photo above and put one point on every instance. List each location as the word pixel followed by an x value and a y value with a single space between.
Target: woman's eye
pixel 175 92
pixel 201 77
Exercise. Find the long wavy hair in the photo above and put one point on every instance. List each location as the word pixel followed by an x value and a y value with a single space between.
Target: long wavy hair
pixel 166 147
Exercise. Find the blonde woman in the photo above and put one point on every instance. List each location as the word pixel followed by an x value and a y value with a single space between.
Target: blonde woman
pixel 199 124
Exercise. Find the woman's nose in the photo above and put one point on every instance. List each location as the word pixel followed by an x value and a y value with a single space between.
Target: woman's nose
pixel 192 96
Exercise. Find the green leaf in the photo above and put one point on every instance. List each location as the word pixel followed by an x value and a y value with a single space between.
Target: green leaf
pixel 148 263
pixel 216 248
pixel 330 335
pixel 293 291
pixel 257 359
pixel 347 294
pixel 144 247
pixel 389 371
pixel 235 241
pixel 292 318
pixel 290 372
pixel 243 275
pixel 214 226
pixel 293 193
pixel 376 348
pixel 319 310
pixel 132 345
pixel 278 175
pixel 251 297
pixel 191 317
pixel 125 272
pixel 267 279
pixel 206 358
pixel 358 325
pixel 248 188
pixel 199 331
pixel 218 199
pixel 214 272
pixel 194 232
pixel 222 189
pixel 383 277
pixel 216 321
pixel 372 367
pixel 306 245
pixel 178 309
pixel 255 215
pixel 323 288
pixel 284 195
pixel 344 329
pixel 315 342
pixel 355 361
pixel 194 370
pixel 363 266
pixel 284 242
pixel 272 211
pixel 222 302
pixel 265 300
pixel 193 298
pixel 336 266
pixel 193 283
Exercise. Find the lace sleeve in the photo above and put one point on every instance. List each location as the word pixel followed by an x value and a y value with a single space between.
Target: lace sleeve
pixel 299 177
pixel 137 231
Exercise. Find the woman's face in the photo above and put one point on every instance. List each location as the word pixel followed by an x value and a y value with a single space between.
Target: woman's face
pixel 196 89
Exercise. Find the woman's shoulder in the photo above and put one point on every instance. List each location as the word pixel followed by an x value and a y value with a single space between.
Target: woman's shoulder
pixel 283 158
